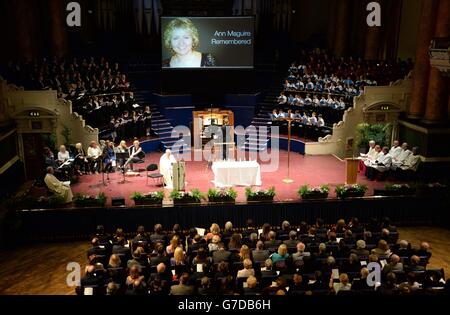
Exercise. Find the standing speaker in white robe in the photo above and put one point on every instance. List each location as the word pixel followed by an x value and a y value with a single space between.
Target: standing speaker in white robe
pixel 166 168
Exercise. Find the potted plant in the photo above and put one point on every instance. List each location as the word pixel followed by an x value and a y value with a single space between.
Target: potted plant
pixel 81 200
pixel 320 192
pixel 181 197
pixel 394 190
pixel 56 201
pixel 355 190
pixel 222 195
pixel 152 198
pixel 260 195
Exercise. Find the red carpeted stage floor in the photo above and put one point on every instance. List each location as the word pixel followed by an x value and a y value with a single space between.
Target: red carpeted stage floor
pixel 313 170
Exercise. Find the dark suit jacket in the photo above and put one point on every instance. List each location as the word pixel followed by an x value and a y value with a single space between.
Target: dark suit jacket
pixel 251 291
pixel 260 255
pixel 221 255
pixel 291 243
pixel 272 243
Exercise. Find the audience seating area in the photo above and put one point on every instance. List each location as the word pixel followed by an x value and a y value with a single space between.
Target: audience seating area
pixel 318 259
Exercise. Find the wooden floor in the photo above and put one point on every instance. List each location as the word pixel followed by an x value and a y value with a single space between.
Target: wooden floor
pixel 41 269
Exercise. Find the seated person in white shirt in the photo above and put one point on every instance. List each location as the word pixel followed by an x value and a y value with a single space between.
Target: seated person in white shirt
pixel 310 86
pixel 323 101
pixel 297 115
pixel 330 100
pixel 395 150
pixel 63 155
pixel 341 103
pixel 382 164
pixel 290 99
pixel 376 153
pixel 274 115
pixel 313 119
pixel 402 156
pixel 282 114
pixel 282 99
pixel 94 154
pixel 299 85
pixel 305 119
pixel 308 99
pixel 296 100
pixel 315 100
pixel 369 154
pixel 320 121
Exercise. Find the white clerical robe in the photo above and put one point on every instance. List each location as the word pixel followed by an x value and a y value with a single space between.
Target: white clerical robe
pixel 395 152
pixel 58 187
pixel 166 169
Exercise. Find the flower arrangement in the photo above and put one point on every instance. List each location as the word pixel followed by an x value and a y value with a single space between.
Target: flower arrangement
pixel 155 197
pixel 306 192
pixel 82 200
pixel 222 195
pixel 355 190
pixel 193 196
pixel 260 195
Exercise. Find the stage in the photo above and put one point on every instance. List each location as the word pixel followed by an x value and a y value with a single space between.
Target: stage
pixel 312 170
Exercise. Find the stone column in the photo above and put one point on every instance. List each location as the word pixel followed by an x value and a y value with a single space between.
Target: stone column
pixel 58 35
pixel 437 99
pixel 421 70
pixel 341 27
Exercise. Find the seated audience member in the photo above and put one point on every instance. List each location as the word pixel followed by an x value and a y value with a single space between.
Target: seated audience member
pixel 394 265
pixel 178 258
pixel 343 285
pixel 282 99
pixel 281 255
pixel 183 288
pixel 214 245
pixel 57 187
pixel 267 270
pixel 360 249
pixel 389 287
pixel 298 286
pixel 159 256
pixel 213 230
pixel 221 255
pixel 320 121
pixel 381 165
pixel 251 288
pixel 235 241
pixel 158 234
pixel 141 237
pixel 292 241
pixel 228 230
pixel 247 271
pixel 249 229
pixel 300 254
pixel 410 285
pixel 423 251
pixel 260 254
pixel 205 287
pixel 272 241
pixel 317 282
pixel 361 284
pixel 414 264
pixel 403 249
pixel 382 250
pixel 174 244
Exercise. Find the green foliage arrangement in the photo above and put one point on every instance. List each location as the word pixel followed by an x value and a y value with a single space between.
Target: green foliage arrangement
pixel 82 200
pixel 222 195
pixel 306 192
pixel 355 190
pixel 193 196
pixel 155 197
pixel 259 195
pixel 380 133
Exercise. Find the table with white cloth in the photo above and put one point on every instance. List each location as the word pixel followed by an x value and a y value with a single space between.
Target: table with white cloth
pixel 236 173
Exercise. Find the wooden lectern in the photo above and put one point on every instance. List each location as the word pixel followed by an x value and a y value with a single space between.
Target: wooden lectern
pixel 352 170
pixel 178 175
